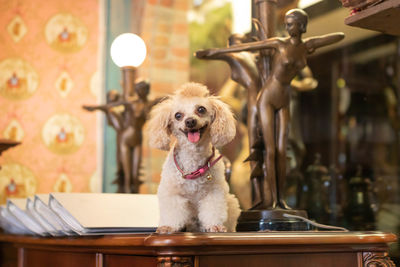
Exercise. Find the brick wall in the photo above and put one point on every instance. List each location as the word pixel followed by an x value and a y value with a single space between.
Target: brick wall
pixel 165 30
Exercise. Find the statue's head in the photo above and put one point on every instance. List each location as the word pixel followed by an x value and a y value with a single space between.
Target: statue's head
pixel 113 96
pixel 142 88
pixel 236 38
pixel 296 16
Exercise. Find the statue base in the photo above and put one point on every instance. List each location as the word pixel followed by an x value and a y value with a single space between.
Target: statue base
pixel 272 220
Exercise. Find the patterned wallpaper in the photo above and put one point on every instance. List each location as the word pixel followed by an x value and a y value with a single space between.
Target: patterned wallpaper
pixel 49 68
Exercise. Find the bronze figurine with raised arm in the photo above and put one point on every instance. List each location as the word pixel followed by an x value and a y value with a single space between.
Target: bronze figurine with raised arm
pixel 127 117
pixel 287 58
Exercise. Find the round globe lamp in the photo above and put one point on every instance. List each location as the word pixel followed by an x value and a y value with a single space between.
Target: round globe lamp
pixel 128 51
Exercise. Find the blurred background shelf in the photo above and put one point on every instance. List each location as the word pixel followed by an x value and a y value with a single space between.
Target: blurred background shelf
pixel 384 17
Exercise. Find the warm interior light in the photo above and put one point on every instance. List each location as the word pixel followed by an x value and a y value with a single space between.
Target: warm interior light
pixel 128 49
pixel 241 16
pixel 306 3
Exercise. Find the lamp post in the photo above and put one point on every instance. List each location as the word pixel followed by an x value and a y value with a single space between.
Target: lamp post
pixel 128 52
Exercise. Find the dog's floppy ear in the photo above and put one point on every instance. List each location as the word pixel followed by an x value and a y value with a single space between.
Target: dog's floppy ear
pixel 223 127
pixel 158 125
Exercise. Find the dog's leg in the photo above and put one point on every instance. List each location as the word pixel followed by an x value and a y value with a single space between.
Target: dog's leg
pixel 213 211
pixel 233 212
pixel 174 213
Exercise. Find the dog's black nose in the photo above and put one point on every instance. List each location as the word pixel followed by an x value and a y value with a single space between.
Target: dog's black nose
pixel 190 122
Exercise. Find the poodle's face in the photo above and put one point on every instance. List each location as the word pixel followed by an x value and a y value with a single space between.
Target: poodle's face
pixel 191 119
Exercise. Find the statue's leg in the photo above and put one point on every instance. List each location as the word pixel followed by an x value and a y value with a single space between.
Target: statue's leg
pixel 137 159
pixel 284 117
pixel 267 119
pixel 252 125
pixel 252 135
pixel 119 180
pixel 126 159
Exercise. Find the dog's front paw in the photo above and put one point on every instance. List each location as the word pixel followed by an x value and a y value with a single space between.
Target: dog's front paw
pixel 216 229
pixel 166 230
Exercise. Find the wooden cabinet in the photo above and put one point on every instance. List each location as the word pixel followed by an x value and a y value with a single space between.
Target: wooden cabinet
pixel 114 260
pixel 33 257
pixel 327 249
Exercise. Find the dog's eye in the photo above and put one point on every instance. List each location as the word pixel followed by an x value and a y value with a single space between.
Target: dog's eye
pixel 178 116
pixel 201 110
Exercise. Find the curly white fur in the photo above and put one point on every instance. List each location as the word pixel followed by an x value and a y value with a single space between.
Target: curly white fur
pixel 199 204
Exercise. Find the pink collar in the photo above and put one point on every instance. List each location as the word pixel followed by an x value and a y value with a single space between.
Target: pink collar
pixel 202 170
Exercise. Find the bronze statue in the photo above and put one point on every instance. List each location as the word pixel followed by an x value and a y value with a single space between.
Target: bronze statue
pixel 244 71
pixel 127 117
pixel 288 57
pixel 113 111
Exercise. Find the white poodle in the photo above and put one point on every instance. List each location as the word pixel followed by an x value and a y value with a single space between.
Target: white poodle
pixel 193 193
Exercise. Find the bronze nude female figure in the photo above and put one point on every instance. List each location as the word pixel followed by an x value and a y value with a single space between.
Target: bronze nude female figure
pixel 113 112
pixel 243 71
pixel 128 123
pixel 288 58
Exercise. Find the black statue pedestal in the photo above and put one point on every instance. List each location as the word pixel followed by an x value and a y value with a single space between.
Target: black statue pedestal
pixel 272 220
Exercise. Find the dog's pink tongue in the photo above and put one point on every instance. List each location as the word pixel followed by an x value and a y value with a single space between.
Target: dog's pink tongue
pixel 194 137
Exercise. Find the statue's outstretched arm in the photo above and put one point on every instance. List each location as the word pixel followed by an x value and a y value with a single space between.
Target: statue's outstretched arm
pixel 313 43
pixel 103 108
pixel 213 52
pixel 156 101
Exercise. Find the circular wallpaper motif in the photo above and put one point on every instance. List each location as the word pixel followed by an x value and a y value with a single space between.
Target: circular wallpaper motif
pixel 14 131
pixel 63 134
pixel 18 80
pixel 63 184
pixel 17 28
pixel 66 33
pixel 16 181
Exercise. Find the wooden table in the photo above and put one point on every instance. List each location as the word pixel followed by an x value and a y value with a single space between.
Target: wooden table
pixel 200 249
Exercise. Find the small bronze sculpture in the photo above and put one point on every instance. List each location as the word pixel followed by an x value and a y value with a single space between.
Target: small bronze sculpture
pixel 288 58
pixel 127 117
pixel 114 119
pixel 245 72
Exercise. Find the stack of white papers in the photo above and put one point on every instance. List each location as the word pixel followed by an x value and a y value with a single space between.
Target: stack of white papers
pixel 62 214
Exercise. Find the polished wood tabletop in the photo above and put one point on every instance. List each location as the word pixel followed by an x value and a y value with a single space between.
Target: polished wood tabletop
pixel 198 239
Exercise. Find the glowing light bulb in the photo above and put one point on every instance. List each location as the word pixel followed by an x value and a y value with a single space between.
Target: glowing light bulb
pixel 128 50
